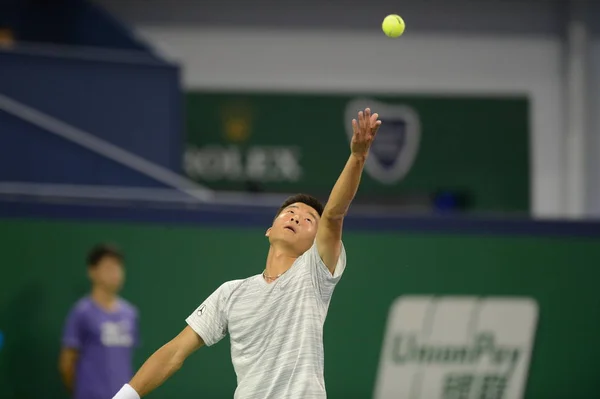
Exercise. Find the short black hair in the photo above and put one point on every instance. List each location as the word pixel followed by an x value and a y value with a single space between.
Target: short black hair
pixel 101 251
pixel 305 199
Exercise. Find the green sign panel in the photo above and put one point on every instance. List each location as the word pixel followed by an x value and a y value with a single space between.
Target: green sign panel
pixel 445 316
pixel 292 142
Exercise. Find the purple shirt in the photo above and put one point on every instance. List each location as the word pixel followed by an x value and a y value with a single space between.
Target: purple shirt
pixel 105 341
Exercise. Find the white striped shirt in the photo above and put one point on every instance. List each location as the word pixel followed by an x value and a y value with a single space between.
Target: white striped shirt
pixel 275 330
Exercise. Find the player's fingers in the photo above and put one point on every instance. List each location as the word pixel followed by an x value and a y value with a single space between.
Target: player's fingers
pixel 361 121
pixel 373 120
pixel 354 126
pixel 376 128
pixel 367 120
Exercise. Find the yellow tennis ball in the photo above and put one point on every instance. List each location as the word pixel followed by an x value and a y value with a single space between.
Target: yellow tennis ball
pixel 393 25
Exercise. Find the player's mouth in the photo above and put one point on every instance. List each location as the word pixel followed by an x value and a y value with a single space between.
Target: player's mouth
pixel 290 228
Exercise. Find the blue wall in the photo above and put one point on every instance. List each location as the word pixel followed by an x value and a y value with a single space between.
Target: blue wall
pixel 131 103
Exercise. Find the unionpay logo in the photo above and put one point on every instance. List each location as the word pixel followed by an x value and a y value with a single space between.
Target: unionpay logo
pixel 456 348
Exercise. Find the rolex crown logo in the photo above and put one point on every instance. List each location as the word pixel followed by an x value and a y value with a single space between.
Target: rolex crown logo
pixel 237 122
pixel 237 129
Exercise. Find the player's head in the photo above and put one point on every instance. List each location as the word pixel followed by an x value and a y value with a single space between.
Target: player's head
pixel 295 224
pixel 105 267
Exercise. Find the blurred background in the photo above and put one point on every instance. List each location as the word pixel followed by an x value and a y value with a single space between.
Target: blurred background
pixel 175 129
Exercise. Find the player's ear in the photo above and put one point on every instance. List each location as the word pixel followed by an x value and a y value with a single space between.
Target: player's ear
pixel 268 232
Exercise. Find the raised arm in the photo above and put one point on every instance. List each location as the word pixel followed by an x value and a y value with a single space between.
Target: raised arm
pixel 329 234
pixel 161 365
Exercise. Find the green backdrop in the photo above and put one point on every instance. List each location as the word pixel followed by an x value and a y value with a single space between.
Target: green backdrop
pixel 284 141
pixel 172 269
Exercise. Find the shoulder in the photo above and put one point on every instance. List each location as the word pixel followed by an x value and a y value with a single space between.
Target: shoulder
pixel 79 312
pixel 128 307
pixel 235 291
pixel 233 284
pixel 82 306
pixel 312 254
pixel 229 287
pixel 312 260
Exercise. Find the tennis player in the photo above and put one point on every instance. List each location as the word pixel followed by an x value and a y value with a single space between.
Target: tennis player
pixel 275 319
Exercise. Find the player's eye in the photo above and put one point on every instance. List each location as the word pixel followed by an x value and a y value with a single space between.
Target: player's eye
pixel 310 220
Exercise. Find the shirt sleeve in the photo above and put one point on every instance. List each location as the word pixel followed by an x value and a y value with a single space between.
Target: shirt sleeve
pixel 322 278
pixel 73 330
pixel 209 320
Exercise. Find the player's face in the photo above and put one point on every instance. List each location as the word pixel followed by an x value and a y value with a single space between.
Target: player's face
pixel 108 274
pixel 296 225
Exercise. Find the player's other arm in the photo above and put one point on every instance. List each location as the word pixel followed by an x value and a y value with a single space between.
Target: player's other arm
pixel 66 365
pixel 207 325
pixel 329 234
pixel 72 340
pixel 162 365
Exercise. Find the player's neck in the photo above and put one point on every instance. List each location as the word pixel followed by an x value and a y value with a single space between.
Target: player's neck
pixel 279 260
pixel 105 299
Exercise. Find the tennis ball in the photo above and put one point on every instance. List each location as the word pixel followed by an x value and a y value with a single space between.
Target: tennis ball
pixel 393 25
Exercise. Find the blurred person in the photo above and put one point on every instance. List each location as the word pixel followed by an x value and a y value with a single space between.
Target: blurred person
pixel 101 331
pixel 275 319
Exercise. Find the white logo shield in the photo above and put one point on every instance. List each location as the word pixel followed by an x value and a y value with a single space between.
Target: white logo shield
pixel 395 149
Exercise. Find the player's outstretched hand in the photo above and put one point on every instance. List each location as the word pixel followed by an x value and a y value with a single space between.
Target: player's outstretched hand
pixel 365 130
